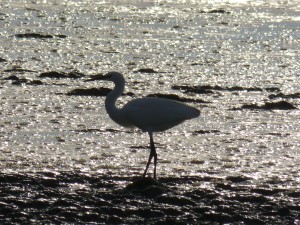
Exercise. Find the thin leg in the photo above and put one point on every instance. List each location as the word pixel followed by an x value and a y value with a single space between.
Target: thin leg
pixel 152 154
pixel 148 163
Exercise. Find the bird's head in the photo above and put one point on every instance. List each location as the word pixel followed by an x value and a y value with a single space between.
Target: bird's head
pixel 115 77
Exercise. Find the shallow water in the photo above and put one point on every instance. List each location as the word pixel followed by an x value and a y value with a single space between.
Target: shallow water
pixel 244 52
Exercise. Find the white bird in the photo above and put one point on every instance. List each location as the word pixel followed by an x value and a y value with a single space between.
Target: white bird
pixel 150 114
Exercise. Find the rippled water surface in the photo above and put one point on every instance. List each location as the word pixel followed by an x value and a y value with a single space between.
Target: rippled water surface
pixel 236 61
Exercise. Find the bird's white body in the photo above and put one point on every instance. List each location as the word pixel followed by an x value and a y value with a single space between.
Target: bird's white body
pixel 149 114
pixel 152 114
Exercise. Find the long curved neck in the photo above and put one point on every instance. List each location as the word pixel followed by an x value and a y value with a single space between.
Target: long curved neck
pixel 110 103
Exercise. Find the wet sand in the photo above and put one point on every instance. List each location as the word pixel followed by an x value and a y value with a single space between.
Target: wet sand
pixel 84 198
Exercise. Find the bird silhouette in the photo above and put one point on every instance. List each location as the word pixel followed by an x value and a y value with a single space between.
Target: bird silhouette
pixel 150 114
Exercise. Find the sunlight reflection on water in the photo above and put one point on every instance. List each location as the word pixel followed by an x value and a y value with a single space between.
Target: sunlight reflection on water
pixel 236 46
pixel 63 160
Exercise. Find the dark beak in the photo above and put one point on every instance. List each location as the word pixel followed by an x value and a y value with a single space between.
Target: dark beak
pixel 96 77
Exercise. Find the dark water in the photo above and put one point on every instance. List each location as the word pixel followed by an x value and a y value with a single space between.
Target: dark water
pixel 84 198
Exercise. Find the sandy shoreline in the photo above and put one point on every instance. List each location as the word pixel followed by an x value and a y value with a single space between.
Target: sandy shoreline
pixel 70 197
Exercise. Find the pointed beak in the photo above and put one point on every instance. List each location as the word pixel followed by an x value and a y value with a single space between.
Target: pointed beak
pixel 96 77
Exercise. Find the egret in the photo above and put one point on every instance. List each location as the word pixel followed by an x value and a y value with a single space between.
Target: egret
pixel 150 114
